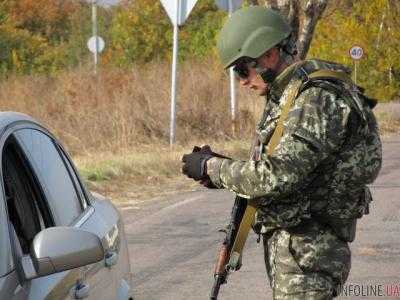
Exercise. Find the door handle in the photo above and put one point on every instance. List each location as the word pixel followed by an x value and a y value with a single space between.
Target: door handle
pixel 80 290
pixel 111 258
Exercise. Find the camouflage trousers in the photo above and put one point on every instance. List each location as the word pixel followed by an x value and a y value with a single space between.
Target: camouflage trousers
pixel 306 262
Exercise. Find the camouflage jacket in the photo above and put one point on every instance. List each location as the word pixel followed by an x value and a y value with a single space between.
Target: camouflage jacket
pixel 329 151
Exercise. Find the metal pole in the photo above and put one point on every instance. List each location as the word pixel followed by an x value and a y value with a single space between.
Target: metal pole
pixel 232 82
pixel 94 32
pixel 355 71
pixel 174 79
pixel 233 100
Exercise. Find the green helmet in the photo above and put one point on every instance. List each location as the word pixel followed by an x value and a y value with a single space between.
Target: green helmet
pixel 250 32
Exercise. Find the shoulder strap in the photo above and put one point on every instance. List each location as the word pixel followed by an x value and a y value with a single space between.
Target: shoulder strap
pixel 278 132
pixel 330 74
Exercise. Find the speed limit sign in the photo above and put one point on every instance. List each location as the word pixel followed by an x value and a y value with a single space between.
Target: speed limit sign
pixel 356 52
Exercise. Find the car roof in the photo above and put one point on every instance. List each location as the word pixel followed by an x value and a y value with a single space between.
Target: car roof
pixel 9 117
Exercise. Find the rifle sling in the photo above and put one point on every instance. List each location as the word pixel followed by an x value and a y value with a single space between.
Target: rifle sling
pixel 249 214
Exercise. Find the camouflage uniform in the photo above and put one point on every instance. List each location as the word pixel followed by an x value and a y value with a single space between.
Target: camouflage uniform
pixel 313 188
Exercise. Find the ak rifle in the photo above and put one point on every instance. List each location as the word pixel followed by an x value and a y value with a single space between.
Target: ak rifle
pixel 224 264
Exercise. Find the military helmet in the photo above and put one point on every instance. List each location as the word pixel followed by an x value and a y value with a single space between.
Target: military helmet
pixel 250 32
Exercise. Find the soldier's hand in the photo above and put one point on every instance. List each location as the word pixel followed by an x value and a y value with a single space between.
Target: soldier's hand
pixel 195 165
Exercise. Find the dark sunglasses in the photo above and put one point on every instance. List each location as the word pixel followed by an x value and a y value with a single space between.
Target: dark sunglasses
pixel 241 68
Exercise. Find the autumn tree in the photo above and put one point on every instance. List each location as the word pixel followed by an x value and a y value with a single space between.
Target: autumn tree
pixel 373 25
pixel 44 36
pixel 141 32
pixel 302 15
pixel 48 18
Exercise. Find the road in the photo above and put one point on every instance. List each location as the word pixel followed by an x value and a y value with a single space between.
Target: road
pixel 173 244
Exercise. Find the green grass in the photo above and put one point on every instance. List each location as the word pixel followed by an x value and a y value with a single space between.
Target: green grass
pixel 145 172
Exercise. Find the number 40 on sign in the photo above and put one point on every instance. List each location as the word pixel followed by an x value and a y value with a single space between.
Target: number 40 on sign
pixel 356 52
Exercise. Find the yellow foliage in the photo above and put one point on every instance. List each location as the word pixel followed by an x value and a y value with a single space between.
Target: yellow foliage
pixel 15 60
pixel 371 24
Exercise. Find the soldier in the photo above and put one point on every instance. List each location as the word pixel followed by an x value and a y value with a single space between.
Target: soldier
pixel 318 147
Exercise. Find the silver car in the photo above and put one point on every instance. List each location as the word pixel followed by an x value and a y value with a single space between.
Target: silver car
pixel 58 240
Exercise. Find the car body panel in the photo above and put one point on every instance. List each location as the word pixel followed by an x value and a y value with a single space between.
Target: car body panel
pixel 116 240
pixel 10 287
pixel 99 217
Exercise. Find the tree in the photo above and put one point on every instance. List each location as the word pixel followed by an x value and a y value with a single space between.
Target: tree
pixel 371 24
pixel 302 15
pixel 141 32
pixel 45 36
pixel 48 18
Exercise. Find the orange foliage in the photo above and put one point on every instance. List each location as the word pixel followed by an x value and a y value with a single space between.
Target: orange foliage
pixel 46 17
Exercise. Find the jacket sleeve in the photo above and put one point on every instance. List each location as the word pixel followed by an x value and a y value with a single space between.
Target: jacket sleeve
pixel 315 128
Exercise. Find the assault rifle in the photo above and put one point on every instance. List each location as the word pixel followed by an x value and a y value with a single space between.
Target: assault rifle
pixel 225 263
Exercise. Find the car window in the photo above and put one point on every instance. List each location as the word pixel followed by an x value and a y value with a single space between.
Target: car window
pixel 52 173
pixel 25 204
pixel 74 177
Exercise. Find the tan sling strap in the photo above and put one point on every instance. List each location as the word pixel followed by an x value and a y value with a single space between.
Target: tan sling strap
pixel 249 214
pixel 330 74
pixel 278 132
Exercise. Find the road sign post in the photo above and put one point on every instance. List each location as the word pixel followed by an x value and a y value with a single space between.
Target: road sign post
pixel 94 33
pixel 178 11
pixel 230 6
pixel 232 75
pixel 96 45
pixel 356 53
pixel 172 126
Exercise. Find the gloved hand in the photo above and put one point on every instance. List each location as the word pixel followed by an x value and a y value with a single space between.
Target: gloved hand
pixel 195 164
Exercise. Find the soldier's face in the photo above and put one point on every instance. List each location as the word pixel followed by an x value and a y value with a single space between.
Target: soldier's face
pixel 253 80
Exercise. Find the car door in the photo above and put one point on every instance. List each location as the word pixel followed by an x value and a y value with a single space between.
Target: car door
pixel 108 221
pixel 27 215
pixel 70 205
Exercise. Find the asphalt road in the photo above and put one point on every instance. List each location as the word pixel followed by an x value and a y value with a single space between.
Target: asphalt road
pixel 173 244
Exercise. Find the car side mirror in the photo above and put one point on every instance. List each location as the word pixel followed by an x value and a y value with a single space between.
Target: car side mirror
pixel 58 249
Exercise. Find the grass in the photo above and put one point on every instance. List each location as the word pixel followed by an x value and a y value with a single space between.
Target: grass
pixel 116 124
pixel 147 171
pixel 388 116
pixel 121 109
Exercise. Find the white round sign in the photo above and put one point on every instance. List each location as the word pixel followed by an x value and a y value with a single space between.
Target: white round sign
pixel 356 52
pixel 91 43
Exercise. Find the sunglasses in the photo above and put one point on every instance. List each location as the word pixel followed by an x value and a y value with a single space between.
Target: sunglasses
pixel 241 68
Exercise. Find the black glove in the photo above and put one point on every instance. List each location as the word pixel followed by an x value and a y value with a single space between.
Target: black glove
pixel 194 164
